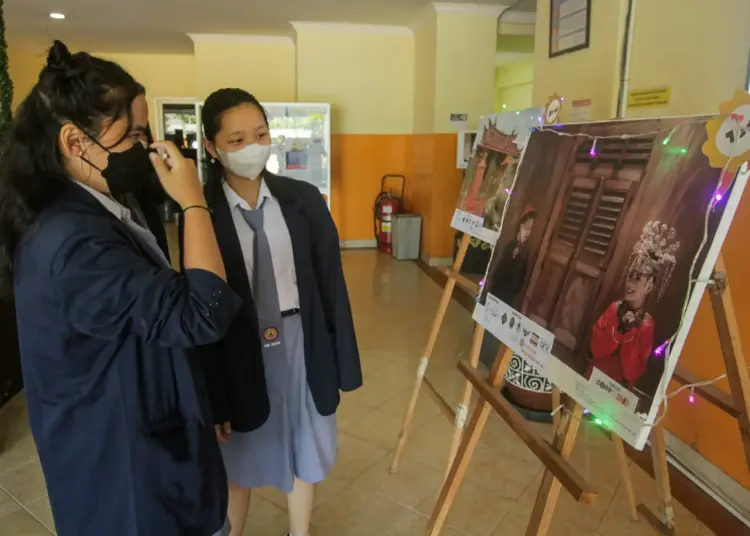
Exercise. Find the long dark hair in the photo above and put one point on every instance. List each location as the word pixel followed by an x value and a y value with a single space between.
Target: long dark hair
pixel 72 88
pixel 216 105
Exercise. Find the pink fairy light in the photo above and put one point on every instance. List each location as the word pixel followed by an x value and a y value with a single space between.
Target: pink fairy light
pixel 660 349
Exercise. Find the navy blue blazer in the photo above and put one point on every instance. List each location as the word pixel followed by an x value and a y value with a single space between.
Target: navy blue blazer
pixel 116 401
pixel 235 372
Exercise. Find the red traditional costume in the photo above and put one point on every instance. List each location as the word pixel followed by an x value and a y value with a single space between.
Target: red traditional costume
pixel 620 350
pixel 621 354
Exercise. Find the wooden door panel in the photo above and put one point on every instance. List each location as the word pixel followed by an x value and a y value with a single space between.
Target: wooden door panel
pixel 542 306
pixel 572 309
pixel 595 247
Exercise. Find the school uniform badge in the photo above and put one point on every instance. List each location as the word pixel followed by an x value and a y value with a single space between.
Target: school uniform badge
pixel 271 334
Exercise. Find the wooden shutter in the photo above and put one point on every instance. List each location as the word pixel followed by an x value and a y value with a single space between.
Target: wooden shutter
pixel 585 236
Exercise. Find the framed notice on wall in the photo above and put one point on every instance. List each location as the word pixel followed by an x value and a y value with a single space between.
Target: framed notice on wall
pixel 569 26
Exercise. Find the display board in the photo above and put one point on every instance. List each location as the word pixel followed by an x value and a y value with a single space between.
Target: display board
pixel 489 175
pixel 301 143
pixel 608 240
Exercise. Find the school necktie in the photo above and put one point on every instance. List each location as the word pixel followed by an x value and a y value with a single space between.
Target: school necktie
pixel 265 292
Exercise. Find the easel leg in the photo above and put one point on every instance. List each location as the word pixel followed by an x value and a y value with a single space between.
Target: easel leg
pixel 445 301
pixel 549 492
pixel 462 409
pixel 731 348
pixel 661 475
pixel 627 481
pixel 466 449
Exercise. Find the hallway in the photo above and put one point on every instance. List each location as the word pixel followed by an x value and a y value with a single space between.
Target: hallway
pixel 394 304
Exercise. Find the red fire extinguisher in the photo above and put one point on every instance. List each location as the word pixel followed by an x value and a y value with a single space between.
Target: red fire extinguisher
pixel 386 206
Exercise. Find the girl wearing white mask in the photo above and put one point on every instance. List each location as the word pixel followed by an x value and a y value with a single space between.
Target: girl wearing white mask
pixel 274 381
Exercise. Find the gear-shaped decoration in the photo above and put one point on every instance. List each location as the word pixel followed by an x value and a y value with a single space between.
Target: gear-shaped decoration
pixel 728 136
pixel 552 109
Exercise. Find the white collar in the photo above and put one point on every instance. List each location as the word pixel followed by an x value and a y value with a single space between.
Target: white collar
pixel 235 200
pixel 121 212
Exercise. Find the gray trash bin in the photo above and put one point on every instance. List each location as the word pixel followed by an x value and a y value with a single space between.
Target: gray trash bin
pixel 407 231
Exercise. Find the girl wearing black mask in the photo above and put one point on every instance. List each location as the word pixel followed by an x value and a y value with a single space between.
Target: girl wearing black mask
pixel 105 326
pixel 275 379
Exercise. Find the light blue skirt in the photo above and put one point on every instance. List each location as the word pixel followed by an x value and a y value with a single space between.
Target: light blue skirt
pixel 296 441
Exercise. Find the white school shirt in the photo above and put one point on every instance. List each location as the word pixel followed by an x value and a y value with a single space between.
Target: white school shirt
pixel 124 214
pixel 279 239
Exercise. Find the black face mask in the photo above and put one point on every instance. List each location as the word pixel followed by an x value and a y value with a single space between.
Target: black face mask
pixel 130 172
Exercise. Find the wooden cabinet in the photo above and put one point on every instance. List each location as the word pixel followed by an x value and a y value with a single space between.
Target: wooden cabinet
pixel 10 362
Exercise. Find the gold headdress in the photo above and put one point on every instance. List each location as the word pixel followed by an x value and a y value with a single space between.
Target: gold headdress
pixel 655 249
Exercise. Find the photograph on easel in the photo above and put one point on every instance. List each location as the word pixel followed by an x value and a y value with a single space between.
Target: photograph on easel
pixel 489 175
pixel 608 240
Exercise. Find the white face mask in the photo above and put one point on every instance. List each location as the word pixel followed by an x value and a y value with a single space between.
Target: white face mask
pixel 248 162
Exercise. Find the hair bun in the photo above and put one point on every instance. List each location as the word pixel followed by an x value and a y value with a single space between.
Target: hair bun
pixel 59 57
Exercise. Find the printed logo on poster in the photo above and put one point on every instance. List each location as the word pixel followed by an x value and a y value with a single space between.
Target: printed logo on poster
pixel 519 333
pixel 468 223
pixel 618 392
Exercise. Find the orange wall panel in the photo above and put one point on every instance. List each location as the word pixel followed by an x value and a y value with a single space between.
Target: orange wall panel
pixel 432 183
pixel 446 179
pixel 707 429
pixel 359 162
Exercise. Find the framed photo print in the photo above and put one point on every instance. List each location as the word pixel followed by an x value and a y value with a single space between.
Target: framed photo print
pixel 569 26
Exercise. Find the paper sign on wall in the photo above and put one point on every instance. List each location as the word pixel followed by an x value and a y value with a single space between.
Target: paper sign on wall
pixel 649 98
pixel 581 112
pixel 459 120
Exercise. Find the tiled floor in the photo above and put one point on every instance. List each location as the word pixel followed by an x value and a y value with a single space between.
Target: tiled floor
pixel 394 304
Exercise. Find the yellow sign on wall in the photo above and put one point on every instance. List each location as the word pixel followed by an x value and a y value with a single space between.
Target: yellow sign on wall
pixel 649 98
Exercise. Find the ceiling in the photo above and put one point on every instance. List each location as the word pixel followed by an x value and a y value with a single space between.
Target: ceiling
pixel 162 25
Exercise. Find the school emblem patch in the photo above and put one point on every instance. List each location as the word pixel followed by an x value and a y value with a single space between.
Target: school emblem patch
pixel 271 334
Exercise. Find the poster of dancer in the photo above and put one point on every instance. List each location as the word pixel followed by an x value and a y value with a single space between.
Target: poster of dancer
pixel 489 175
pixel 609 237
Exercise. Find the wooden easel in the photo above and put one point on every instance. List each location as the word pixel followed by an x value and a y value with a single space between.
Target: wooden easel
pixel 558 471
pixel 458 416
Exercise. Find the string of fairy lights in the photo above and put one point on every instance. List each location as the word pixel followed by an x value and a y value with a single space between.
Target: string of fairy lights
pixel 665 347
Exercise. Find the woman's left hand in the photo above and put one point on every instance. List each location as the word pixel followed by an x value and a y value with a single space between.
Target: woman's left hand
pixel 223 431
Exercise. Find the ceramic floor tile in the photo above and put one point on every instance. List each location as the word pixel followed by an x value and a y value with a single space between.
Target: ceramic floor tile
pixel 329 489
pixel 21 523
pixel 413 482
pixel 516 524
pixel 17 451
pixel 705 531
pixel 359 513
pixel 501 475
pixel 13 421
pixel 7 505
pixel 397 374
pixel 378 427
pixel 265 518
pixel 425 411
pixel 430 444
pixel 617 520
pixel 323 491
pixel 374 393
pixel 350 412
pixel 586 516
pixel 41 510
pixel 272 495
pixel 355 457
pixel 25 483
pixel 416 524
pixel 474 511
